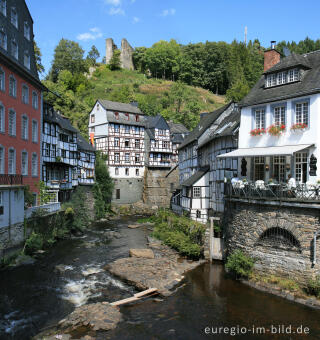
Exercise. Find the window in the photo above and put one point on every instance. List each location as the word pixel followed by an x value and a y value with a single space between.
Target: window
pixel 137 158
pixel 198 214
pixel 53 130
pixel 116 171
pixel 116 128
pixel 45 149
pixel 24 127
pixel 127 171
pixel 26 30
pixel 14 48
pixel 2 119
pixel 281 78
pixel 136 130
pixel 34 164
pixel 293 75
pixel 46 128
pixel 24 163
pixel 279 115
pixel 14 17
pixel 64 153
pixel 137 118
pixel 196 192
pixel 117 157
pixel 127 116
pixel 259 168
pixel 2 80
pixel 279 165
pixel 301 161
pixel 3 7
pixel 116 142
pixel 126 143
pixel 3 39
pixel 127 157
pixel 259 115
pixel 137 144
pixel 54 151
pixel 26 59
pixel 302 113
pixel 63 138
pixel 1 160
pixel 117 194
pixel 34 131
pixel 12 87
pixel 166 145
pixel 116 115
pixel 137 172
pixel 127 129
pixel 12 123
pixel 279 238
pixel 35 100
pixel 92 119
pixel 25 94
pixel 11 161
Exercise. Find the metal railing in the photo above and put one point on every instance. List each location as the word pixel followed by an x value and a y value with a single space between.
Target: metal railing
pixel 6 179
pixel 273 191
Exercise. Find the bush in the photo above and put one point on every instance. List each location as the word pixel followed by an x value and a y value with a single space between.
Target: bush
pixel 313 287
pixel 33 243
pixel 239 264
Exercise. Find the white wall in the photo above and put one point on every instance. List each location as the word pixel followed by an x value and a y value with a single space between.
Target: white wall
pixel 16 200
pixel 122 174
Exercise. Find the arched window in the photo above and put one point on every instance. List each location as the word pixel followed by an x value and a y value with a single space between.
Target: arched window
pixel 279 238
pixel 35 100
pixel 2 118
pixel 24 127
pixel 34 165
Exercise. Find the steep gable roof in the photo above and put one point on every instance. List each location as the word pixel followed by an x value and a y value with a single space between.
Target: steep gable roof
pixel 83 144
pixel 122 107
pixel 309 83
pixel 51 116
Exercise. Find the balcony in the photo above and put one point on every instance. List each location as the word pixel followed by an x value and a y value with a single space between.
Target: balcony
pixel 6 179
pixel 277 192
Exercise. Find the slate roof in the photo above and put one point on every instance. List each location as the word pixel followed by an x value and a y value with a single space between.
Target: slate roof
pixel 205 122
pixel 309 83
pixel 177 128
pixel 121 107
pixel 195 177
pixel 51 116
pixel 112 119
pixel 83 144
pixel 231 122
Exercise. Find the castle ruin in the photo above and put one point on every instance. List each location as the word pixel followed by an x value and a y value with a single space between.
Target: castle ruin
pixel 126 55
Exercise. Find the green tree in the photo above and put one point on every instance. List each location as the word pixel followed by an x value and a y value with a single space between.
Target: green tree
pixel 68 55
pixel 38 55
pixel 93 55
pixel 115 63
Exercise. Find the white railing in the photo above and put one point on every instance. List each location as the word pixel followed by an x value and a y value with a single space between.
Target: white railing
pixel 48 208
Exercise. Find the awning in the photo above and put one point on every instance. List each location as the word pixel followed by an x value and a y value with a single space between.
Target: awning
pixel 286 150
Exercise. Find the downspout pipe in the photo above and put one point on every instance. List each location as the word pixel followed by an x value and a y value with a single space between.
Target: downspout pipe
pixel 316 234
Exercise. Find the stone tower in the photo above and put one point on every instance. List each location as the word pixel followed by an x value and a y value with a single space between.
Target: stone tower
pixel 126 55
pixel 110 47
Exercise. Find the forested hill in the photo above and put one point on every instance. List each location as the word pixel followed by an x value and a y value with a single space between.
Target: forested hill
pixel 177 81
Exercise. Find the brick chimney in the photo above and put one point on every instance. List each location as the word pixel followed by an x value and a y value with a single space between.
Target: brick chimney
pixel 271 57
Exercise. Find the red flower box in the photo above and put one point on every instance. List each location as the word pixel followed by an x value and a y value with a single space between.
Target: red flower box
pixel 276 130
pixel 257 132
pixel 299 126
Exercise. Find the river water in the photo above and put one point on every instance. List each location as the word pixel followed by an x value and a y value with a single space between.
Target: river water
pixel 34 297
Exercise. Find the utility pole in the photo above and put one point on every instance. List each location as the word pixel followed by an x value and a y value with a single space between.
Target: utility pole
pixel 245 35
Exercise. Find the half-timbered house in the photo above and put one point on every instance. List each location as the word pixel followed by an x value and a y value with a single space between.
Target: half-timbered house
pixel 86 162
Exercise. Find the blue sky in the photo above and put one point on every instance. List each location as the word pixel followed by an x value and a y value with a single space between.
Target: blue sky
pixel 144 22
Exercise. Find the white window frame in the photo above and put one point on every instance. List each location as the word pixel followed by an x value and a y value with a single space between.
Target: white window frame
pixel 301 158
pixel 34 166
pixel 14 48
pixel 26 30
pixel 14 17
pixel 34 131
pixel 127 157
pixel 24 163
pixel 24 127
pixel 12 169
pixel 196 192
pixel 2 118
pixel 260 118
pixel 12 124
pixel 12 86
pixel 25 94
pixel 279 113
pixel 26 59
pixel 302 112
pixel 117 157
pixel 35 100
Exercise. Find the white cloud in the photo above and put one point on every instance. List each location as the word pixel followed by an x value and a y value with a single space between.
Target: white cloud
pixel 135 20
pixel 116 11
pixel 94 34
pixel 113 2
pixel 167 12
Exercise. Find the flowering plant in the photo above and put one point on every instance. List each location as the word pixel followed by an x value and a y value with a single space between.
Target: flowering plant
pixel 299 126
pixel 276 130
pixel 257 132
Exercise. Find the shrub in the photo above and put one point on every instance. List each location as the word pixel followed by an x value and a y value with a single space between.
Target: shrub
pixel 313 286
pixel 239 264
pixel 33 243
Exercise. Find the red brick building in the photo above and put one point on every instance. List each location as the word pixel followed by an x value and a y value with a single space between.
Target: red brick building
pixel 20 96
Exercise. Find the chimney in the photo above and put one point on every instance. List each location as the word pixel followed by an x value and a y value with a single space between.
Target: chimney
pixel 271 57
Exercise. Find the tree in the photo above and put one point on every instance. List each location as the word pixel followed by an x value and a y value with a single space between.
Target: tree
pixel 93 55
pixel 114 63
pixel 238 90
pixel 38 55
pixel 68 55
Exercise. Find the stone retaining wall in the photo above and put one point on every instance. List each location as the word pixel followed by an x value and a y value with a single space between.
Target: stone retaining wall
pixel 245 222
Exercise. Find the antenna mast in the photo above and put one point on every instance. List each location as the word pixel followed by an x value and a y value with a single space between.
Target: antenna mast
pixel 245 35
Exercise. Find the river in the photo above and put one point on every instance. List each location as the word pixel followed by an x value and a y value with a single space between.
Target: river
pixel 33 297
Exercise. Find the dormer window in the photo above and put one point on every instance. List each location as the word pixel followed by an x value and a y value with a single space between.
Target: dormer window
pixel 3 7
pixel 26 30
pixel 116 114
pixel 127 115
pixel 282 77
pixel 26 59
pixel 3 39
pixel 137 118
pixel 14 48
pixel 14 17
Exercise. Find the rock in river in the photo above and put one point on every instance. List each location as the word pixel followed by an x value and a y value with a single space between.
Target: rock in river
pixel 145 253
